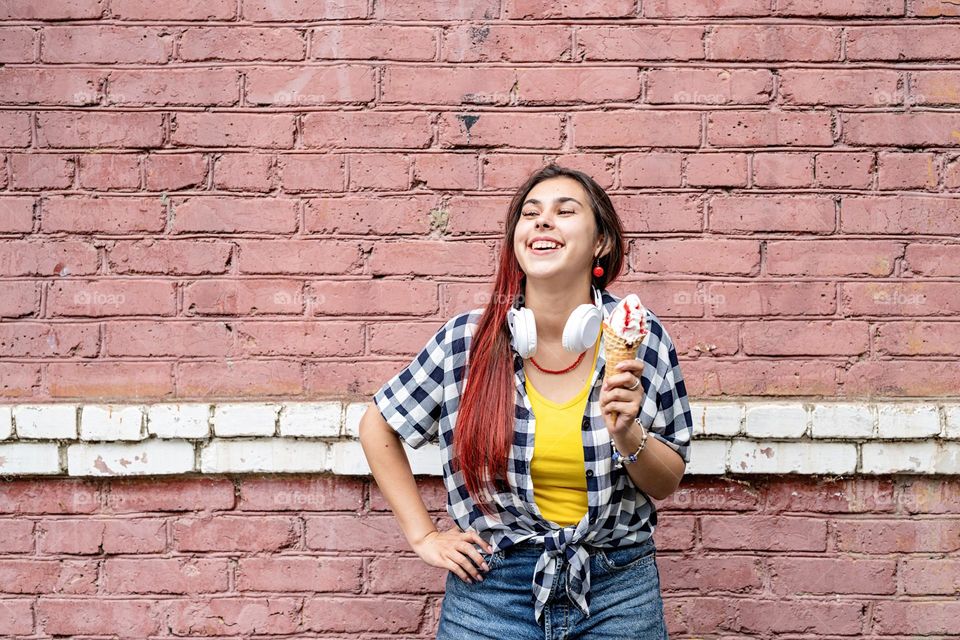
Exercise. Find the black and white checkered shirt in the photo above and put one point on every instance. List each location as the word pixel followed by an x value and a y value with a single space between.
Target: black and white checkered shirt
pixel 421 401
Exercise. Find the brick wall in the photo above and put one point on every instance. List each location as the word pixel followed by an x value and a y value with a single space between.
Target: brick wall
pixel 212 211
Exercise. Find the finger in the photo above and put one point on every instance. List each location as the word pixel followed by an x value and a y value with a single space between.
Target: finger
pixel 457 569
pixel 463 559
pixel 483 543
pixel 471 552
pixel 624 380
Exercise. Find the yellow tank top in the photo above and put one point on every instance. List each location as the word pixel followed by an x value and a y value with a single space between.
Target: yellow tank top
pixel 557 466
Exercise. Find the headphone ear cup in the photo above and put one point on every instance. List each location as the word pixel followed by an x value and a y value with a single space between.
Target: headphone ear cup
pixel 524 329
pixel 582 328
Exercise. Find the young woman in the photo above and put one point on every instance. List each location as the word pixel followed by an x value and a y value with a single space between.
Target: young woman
pixel 539 475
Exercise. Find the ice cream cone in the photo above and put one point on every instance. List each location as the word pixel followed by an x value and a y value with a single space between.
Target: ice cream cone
pixel 615 351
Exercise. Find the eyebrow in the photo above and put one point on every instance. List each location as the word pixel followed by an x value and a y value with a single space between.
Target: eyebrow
pixel 560 200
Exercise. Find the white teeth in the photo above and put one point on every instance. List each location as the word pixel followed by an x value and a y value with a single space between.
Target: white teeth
pixel 543 244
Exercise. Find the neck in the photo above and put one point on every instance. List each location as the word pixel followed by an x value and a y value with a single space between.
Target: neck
pixel 552 305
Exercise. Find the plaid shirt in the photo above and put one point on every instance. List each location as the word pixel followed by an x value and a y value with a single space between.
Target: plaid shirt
pixel 421 401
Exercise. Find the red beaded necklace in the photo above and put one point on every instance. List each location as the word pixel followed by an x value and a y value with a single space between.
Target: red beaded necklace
pixel 571 367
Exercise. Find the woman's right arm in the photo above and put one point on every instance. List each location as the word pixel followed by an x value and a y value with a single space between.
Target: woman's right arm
pixel 391 469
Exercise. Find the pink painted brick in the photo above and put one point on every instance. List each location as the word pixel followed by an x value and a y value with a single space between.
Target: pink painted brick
pixel 225 214
pixel 16 214
pixel 109 172
pixel 717 170
pixel 169 257
pixel 243 379
pixel 241 43
pixel 757 129
pixel 431 258
pixel 129 495
pixel 364 297
pixel 908 170
pixel 852 170
pixel 492 43
pixel 832 257
pixel 655 213
pixel 636 128
pixel 113 214
pixel 137 535
pixel 172 10
pixel 106 44
pixel 63 129
pixel 244 172
pixel 308 493
pixel 774 42
pixel 30 172
pixel 783 170
pixel 380 42
pixel 267 130
pixel 111 297
pixel 840 8
pixel 174 87
pixel 351 615
pixel 309 574
pixel 799 214
pixel 904 42
pixel 231 533
pixel 901 129
pixel 538 130
pixel 654 169
pixel 87 616
pixel 50 86
pixel 917 339
pixel 772 533
pixel 794 576
pixel 311 172
pixel 165 575
pixel 899 215
pixel 372 129
pixel 696 255
pixel 174 171
pixel 283 10
pixel 385 171
pixel 789 338
pixel 50 258
pixel 313 85
pixel 640 42
pixel 709 86
pixel 761 299
pixel 31 340
pixel 19 299
pixel 300 256
pixel 108 380
pixel 932 259
pixel 444 171
pixel 384 215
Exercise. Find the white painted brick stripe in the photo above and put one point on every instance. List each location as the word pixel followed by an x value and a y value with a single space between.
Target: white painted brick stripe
pixel 730 437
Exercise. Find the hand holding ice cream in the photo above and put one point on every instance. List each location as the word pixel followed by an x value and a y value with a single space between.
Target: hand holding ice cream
pixel 623 332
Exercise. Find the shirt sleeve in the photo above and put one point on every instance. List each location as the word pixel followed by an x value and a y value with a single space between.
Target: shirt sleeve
pixel 673 424
pixel 411 401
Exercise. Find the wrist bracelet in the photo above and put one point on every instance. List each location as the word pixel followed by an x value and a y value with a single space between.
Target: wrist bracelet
pixel 619 459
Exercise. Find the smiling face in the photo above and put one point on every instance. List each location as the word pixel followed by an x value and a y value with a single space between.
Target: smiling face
pixel 558 209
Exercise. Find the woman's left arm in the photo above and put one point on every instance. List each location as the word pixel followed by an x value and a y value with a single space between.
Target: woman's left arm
pixel 658 469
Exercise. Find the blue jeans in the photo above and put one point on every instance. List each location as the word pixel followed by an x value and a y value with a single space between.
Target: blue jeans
pixel 625 600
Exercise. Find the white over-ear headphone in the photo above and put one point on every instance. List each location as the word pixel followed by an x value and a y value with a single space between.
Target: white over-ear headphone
pixel 579 333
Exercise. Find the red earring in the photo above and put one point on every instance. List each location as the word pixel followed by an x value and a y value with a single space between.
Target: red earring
pixel 598 270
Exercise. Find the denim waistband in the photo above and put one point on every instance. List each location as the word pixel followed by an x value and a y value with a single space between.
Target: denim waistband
pixel 530 545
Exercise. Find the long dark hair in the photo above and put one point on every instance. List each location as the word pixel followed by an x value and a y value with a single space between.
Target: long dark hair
pixel 485 419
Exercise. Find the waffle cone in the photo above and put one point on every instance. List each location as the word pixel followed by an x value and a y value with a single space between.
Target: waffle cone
pixel 615 351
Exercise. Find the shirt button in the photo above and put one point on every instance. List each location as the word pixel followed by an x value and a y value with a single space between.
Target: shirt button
pixel 589 473
pixel 585 425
